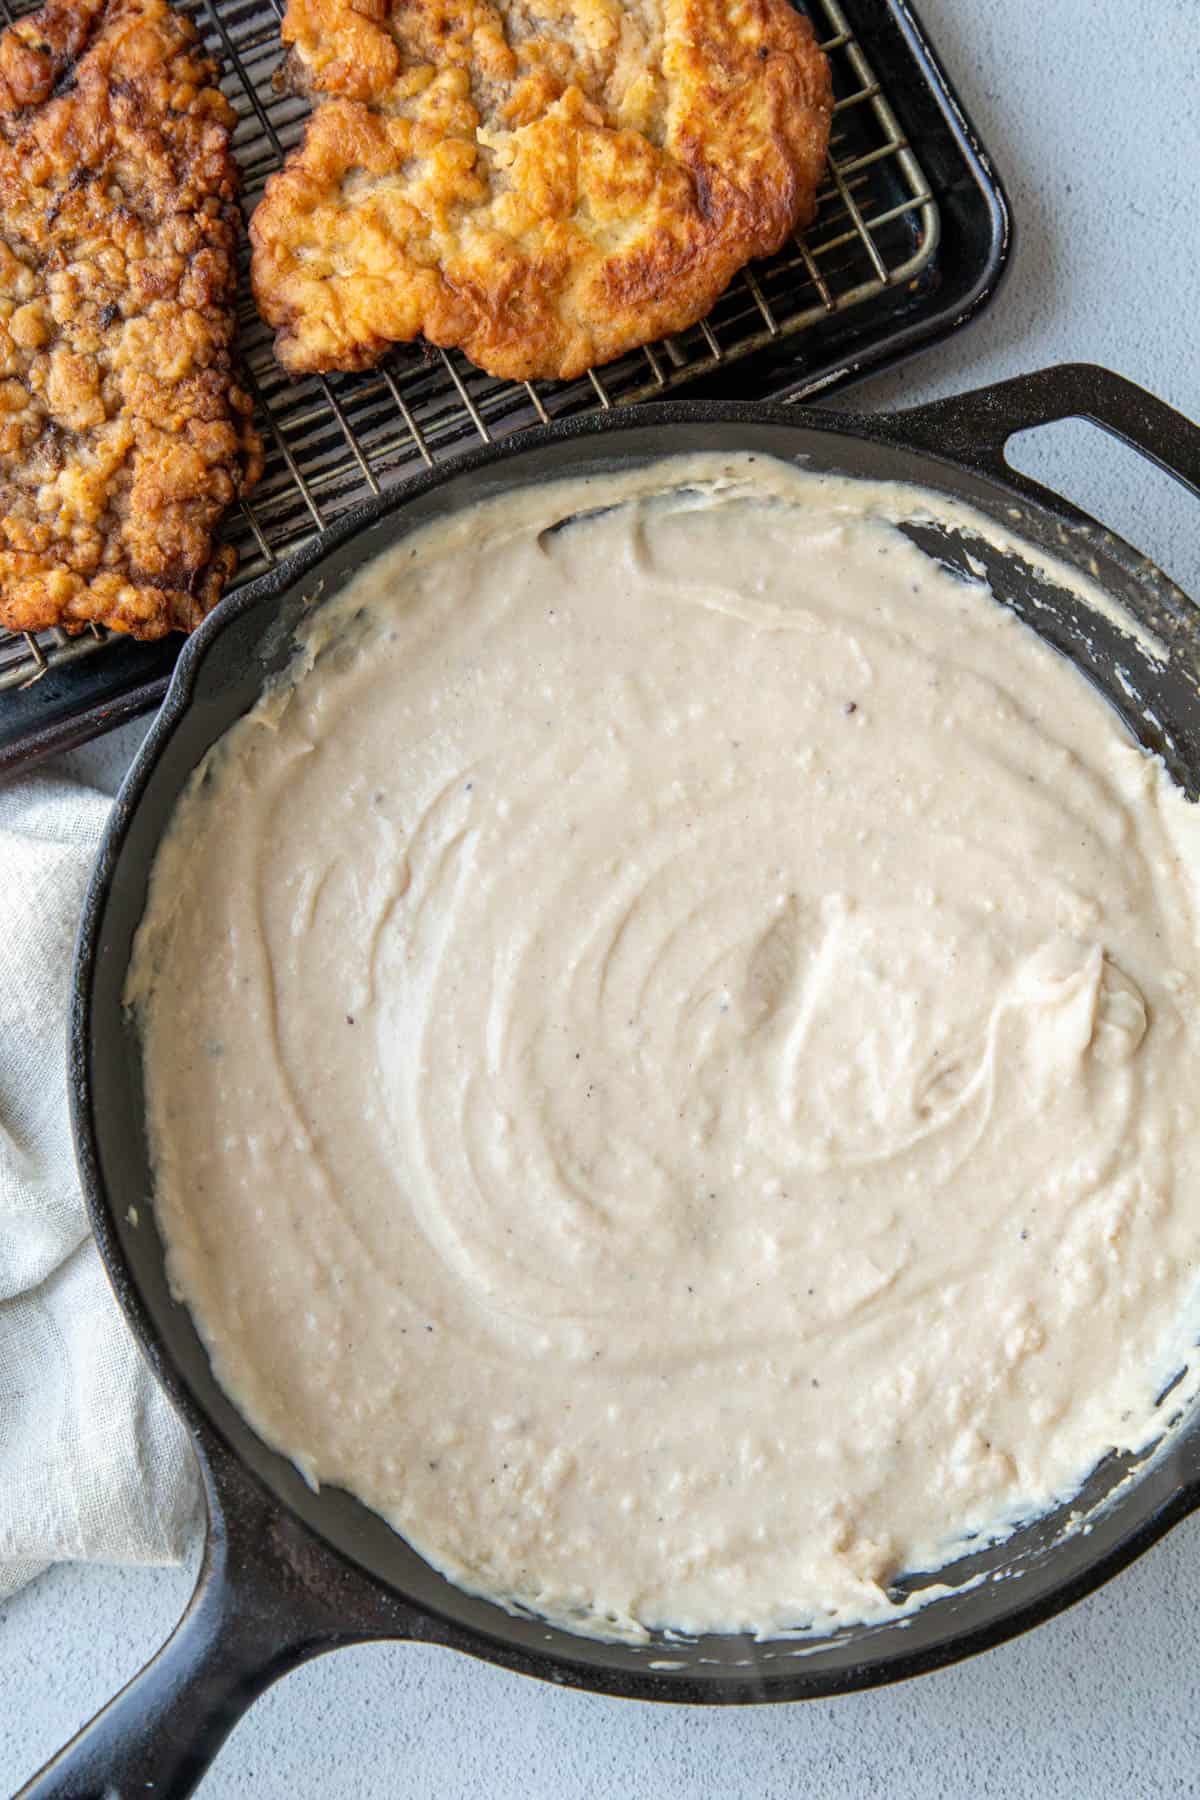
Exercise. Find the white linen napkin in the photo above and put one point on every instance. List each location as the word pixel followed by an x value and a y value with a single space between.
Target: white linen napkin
pixel 94 1465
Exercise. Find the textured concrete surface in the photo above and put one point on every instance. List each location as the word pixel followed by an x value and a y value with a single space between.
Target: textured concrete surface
pixel 1092 110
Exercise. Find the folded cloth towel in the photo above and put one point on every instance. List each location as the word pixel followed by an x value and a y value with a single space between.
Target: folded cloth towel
pixel 94 1465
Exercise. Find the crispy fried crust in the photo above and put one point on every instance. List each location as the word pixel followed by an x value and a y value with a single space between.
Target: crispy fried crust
pixel 123 435
pixel 545 183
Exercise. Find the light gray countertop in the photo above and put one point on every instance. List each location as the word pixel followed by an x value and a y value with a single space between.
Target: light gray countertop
pixel 1092 111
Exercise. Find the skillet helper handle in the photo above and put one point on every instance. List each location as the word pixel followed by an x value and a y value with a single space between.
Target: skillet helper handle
pixel 267 1599
pixel 974 427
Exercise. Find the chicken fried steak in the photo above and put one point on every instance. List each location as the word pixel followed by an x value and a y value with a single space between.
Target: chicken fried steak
pixel 545 183
pixel 123 433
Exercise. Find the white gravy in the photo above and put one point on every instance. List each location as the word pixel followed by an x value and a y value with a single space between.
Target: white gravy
pixel 672 1054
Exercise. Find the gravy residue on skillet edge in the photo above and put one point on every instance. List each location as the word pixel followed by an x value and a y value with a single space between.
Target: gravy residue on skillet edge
pixel 671 1053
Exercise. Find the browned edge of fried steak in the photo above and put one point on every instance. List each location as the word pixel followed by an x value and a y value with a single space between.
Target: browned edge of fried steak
pixel 124 431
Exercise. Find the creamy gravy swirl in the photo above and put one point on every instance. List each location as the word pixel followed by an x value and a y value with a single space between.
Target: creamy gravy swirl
pixel 669 1050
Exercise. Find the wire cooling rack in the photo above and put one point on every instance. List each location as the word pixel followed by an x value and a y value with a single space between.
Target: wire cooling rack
pixel 331 441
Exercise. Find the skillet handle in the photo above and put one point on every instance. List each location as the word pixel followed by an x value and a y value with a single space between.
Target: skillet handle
pixel 974 427
pixel 268 1598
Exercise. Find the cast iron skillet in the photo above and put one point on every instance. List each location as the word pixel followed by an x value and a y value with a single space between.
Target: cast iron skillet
pixel 288 1574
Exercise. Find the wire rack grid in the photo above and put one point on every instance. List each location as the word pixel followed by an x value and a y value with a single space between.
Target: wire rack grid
pixel 333 440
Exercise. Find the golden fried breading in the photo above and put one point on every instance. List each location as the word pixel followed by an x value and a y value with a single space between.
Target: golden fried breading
pixel 123 436
pixel 545 183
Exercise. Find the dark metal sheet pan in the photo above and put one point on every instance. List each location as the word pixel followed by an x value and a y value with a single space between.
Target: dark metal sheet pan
pixel 911 241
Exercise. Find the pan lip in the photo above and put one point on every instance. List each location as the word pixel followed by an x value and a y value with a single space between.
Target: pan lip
pixel 729 1685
